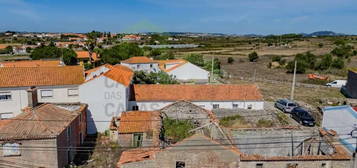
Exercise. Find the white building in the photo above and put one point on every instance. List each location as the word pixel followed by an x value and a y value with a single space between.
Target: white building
pixel 54 85
pixel 155 97
pixel 180 69
pixel 342 119
pixel 184 71
pixel 106 91
pixel 141 64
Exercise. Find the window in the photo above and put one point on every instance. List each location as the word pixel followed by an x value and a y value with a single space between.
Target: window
pixel 135 108
pixel 46 93
pixel 73 92
pixel 323 165
pixel 137 139
pixel 69 135
pixel 235 106
pixel 6 115
pixel 259 165
pixel 5 96
pixel 11 149
pixel 180 164
pixel 292 165
pixel 150 65
pixel 215 106
pixel 250 106
pixel 137 66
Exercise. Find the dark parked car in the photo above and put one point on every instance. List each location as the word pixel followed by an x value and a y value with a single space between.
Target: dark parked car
pixel 302 116
pixel 285 105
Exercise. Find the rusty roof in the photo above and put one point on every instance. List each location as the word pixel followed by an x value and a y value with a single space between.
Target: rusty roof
pixel 157 92
pixel 139 121
pixel 43 121
pixel 31 63
pixel 41 76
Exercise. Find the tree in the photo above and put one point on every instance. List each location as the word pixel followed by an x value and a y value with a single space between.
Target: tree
pixel 43 51
pixel 276 58
pixel 216 66
pixel 121 52
pixel 300 67
pixel 155 52
pixel 166 56
pixel 196 59
pixel 253 57
pixel 141 77
pixel 325 63
pixel 230 60
pixel 338 63
pixel 344 51
pixel 69 57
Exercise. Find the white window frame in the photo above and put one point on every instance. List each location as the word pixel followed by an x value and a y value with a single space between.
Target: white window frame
pixel 6 94
pixel 47 90
pixel 11 149
pixel 1 115
pixel 69 94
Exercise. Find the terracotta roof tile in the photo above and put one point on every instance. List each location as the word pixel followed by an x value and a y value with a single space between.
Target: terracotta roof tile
pixel 139 121
pixel 85 55
pixel 135 155
pixel 33 123
pixel 196 92
pixel 121 74
pixel 41 76
pixel 139 60
pixel 32 63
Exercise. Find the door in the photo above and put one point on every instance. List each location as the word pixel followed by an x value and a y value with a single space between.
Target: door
pixel 137 139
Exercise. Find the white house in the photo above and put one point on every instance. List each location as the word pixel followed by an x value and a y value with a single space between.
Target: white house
pixel 54 85
pixel 342 119
pixel 141 64
pixel 155 97
pixel 184 71
pixel 106 91
pixel 180 69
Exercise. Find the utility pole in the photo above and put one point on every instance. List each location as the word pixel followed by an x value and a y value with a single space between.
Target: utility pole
pixel 211 78
pixel 293 85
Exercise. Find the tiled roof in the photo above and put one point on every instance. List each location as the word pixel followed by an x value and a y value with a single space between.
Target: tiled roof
pixel 139 121
pixel 178 62
pixel 197 92
pixel 3 46
pixel 139 60
pixel 118 73
pixel 44 121
pixel 41 76
pixel 136 155
pixel 32 63
pixel 85 55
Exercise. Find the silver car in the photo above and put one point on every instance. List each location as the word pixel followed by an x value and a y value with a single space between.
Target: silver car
pixel 285 105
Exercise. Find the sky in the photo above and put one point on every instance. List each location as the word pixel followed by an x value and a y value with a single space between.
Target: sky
pixel 209 16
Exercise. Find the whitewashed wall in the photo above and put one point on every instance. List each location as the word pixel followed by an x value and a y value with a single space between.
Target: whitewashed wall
pixel 60 94
pixel 189 71
pixel 105 98
pixel 143 67
pixel 149 106
pixel 18 101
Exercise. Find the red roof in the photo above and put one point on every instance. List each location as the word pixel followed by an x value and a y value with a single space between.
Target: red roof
pixel 139 121
pixel 355 108
pixel 196 92
pixel 119 73
pixel 139 60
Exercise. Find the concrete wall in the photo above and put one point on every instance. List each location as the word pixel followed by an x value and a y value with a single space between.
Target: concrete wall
pixel 150 67
pixel 60 94
pixel 188 72
pixel 18 101
pixel 301 164
pixel 42 153
pixel 149 106
pixel 19 97
pixel 106 99
pixel 351 85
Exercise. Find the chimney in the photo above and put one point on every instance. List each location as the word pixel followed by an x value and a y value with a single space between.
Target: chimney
pixel 32 97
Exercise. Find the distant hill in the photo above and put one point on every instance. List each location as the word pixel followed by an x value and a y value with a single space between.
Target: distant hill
pixel 323 33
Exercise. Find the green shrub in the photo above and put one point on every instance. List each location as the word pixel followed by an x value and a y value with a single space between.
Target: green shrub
pixel 253 57
pixel 230 60
pixel 177 130
pixel 265 123
pixel 338 63
pixel 276 58
pixel 230 120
